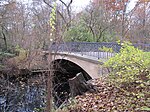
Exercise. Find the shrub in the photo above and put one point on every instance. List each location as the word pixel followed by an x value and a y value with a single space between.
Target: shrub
pixel 129 65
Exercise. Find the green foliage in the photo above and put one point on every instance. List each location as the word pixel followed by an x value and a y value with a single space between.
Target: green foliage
pixel 78 32
pixel 22 54
pixel 52 21
pixel 38 109
pixel 106 49
pixel 145 108
pixel 53 17
pixel 129 65
pixel 131 74
pixel 5 54
pixel 109 37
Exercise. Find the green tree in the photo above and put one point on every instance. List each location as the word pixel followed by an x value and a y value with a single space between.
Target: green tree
pixel 97 20
pixel 78 32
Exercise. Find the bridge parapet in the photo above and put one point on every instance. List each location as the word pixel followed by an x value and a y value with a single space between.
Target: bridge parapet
pixel 85 46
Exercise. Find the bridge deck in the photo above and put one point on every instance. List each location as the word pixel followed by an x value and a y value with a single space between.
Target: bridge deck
pixel 93 56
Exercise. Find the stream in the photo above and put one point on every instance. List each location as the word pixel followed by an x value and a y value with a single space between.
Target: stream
pixel 21 96
pixel 23 91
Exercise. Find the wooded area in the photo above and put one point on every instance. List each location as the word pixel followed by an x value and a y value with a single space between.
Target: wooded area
pixel 28 24
pixel 27 28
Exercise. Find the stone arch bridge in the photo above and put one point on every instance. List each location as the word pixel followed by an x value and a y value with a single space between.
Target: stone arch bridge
pixel 91 66
pixel 71 58
pixel 66 66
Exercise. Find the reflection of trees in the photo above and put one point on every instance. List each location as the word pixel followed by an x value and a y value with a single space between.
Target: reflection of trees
pixel 17 95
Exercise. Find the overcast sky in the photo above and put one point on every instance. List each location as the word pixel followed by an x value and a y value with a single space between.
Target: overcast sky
pixel 79 4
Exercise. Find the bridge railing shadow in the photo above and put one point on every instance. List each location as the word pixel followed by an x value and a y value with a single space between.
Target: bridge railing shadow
pixel 92 48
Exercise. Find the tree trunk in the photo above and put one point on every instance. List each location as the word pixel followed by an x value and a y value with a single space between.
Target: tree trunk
pixel 78 85
pixel 49 85
pixel 4 37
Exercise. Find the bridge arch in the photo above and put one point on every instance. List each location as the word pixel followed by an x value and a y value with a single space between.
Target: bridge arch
pixel 63 71
pixel 90 66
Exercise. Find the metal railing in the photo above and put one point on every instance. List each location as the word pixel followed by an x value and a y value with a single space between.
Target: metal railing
pixel 92 48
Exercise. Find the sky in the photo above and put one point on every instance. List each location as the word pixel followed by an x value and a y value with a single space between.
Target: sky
pixel 132 4
pixel 78 5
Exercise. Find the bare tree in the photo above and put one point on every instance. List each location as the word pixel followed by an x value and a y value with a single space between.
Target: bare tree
pixel 6 6
pixel 139 26
pixel 96 19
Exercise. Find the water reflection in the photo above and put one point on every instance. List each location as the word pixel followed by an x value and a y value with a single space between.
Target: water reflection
pixel 23 98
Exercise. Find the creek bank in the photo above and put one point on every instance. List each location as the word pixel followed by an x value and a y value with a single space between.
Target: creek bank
pixel 110 98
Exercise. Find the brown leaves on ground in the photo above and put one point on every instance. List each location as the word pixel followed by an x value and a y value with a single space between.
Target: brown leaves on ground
pixel 110 99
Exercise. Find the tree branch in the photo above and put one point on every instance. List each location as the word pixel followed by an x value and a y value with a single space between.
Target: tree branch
pixel 56 10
